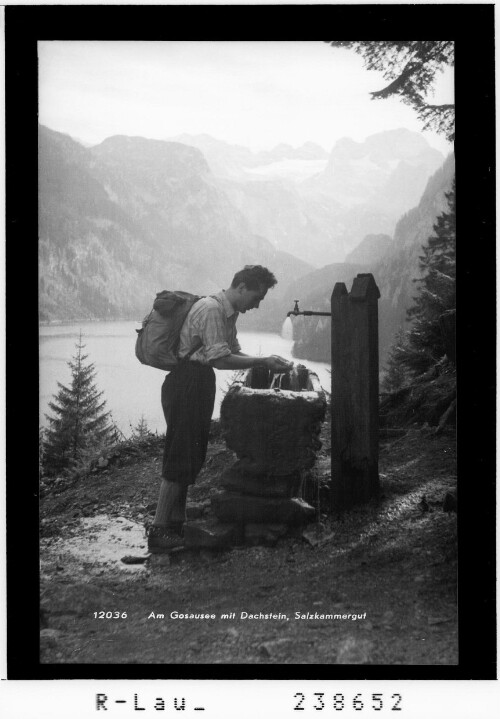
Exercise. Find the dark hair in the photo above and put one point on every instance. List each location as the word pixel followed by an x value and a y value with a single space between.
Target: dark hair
pixel 254 276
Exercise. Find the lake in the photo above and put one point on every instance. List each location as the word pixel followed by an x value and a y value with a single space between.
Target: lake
pixel 132 390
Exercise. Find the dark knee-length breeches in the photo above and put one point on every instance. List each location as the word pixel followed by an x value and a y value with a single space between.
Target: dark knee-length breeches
pixel 187 397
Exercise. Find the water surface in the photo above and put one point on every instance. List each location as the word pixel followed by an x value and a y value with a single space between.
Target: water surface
pixel 132 390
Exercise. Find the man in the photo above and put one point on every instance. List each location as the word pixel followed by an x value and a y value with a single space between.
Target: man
pixel 208 339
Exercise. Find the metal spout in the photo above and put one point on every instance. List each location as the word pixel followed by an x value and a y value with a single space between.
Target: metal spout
pixel 306 313
pixel 295 310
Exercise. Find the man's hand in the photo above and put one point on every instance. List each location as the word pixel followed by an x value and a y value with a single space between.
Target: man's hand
pixel 278 364
pixel 242 361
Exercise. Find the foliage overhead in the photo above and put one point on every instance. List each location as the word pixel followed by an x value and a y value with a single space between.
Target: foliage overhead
pixel 80 421
pixel 410 67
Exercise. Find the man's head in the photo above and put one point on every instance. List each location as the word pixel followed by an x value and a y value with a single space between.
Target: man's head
pixel 249 287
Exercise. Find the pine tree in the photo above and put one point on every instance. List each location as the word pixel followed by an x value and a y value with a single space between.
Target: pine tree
pixel 141 429
pixel 421 378
pixel 396 375
pixel 427 344
pixel 411 67
pixel 80 420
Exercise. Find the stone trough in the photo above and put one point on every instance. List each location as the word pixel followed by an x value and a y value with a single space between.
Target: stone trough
pixel 272 423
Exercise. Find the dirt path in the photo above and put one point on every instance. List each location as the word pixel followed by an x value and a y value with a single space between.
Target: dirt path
pixel 391 564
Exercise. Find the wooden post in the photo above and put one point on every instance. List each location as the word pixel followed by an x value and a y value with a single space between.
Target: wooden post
pixel 355 392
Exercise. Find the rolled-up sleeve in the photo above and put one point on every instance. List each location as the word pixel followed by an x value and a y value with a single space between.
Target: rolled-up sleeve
pixel 235 345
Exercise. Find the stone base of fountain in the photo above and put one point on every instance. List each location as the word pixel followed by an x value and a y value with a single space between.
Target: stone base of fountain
pixel 245 478
pixel 244 509
pixel 272 423
pixel 211 534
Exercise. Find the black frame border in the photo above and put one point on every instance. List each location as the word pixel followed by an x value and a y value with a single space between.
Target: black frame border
pixel 475 162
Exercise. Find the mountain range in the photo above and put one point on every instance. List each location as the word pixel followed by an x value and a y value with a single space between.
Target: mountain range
pixel 303 198
pixel 125 219
pixel 122 220
pixel 394 262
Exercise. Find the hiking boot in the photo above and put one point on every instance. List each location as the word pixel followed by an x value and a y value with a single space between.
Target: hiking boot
pixel 162 540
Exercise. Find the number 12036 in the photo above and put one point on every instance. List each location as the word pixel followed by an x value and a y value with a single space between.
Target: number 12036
pixel 110 615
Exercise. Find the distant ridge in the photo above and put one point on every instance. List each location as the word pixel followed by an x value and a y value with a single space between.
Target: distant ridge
pixel 394 269
pixel 129 217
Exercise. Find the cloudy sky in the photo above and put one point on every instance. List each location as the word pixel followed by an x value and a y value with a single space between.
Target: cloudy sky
pixel 255 94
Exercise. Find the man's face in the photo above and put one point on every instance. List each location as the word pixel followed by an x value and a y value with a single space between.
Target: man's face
pixel 250 299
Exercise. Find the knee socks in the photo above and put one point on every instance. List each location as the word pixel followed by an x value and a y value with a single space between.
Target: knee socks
pixel 171 508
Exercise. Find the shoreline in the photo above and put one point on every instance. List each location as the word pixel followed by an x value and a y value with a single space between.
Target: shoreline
pixel 62 323
pixel 58 323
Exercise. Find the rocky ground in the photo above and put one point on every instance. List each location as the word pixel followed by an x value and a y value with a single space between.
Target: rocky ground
pixel 392 564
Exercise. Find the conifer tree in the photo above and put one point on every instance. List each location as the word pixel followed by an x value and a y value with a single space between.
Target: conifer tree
pixel 79 418
pixel 411 67
pixel 437 294
pixel 141 429
pixel 396 372
pixel 421 380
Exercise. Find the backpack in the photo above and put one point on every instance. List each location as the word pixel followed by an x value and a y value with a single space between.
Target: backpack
pixel 158 339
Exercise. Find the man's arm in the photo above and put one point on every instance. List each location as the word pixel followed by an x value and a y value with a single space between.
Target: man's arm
pixel 212 332
pixel 243 361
